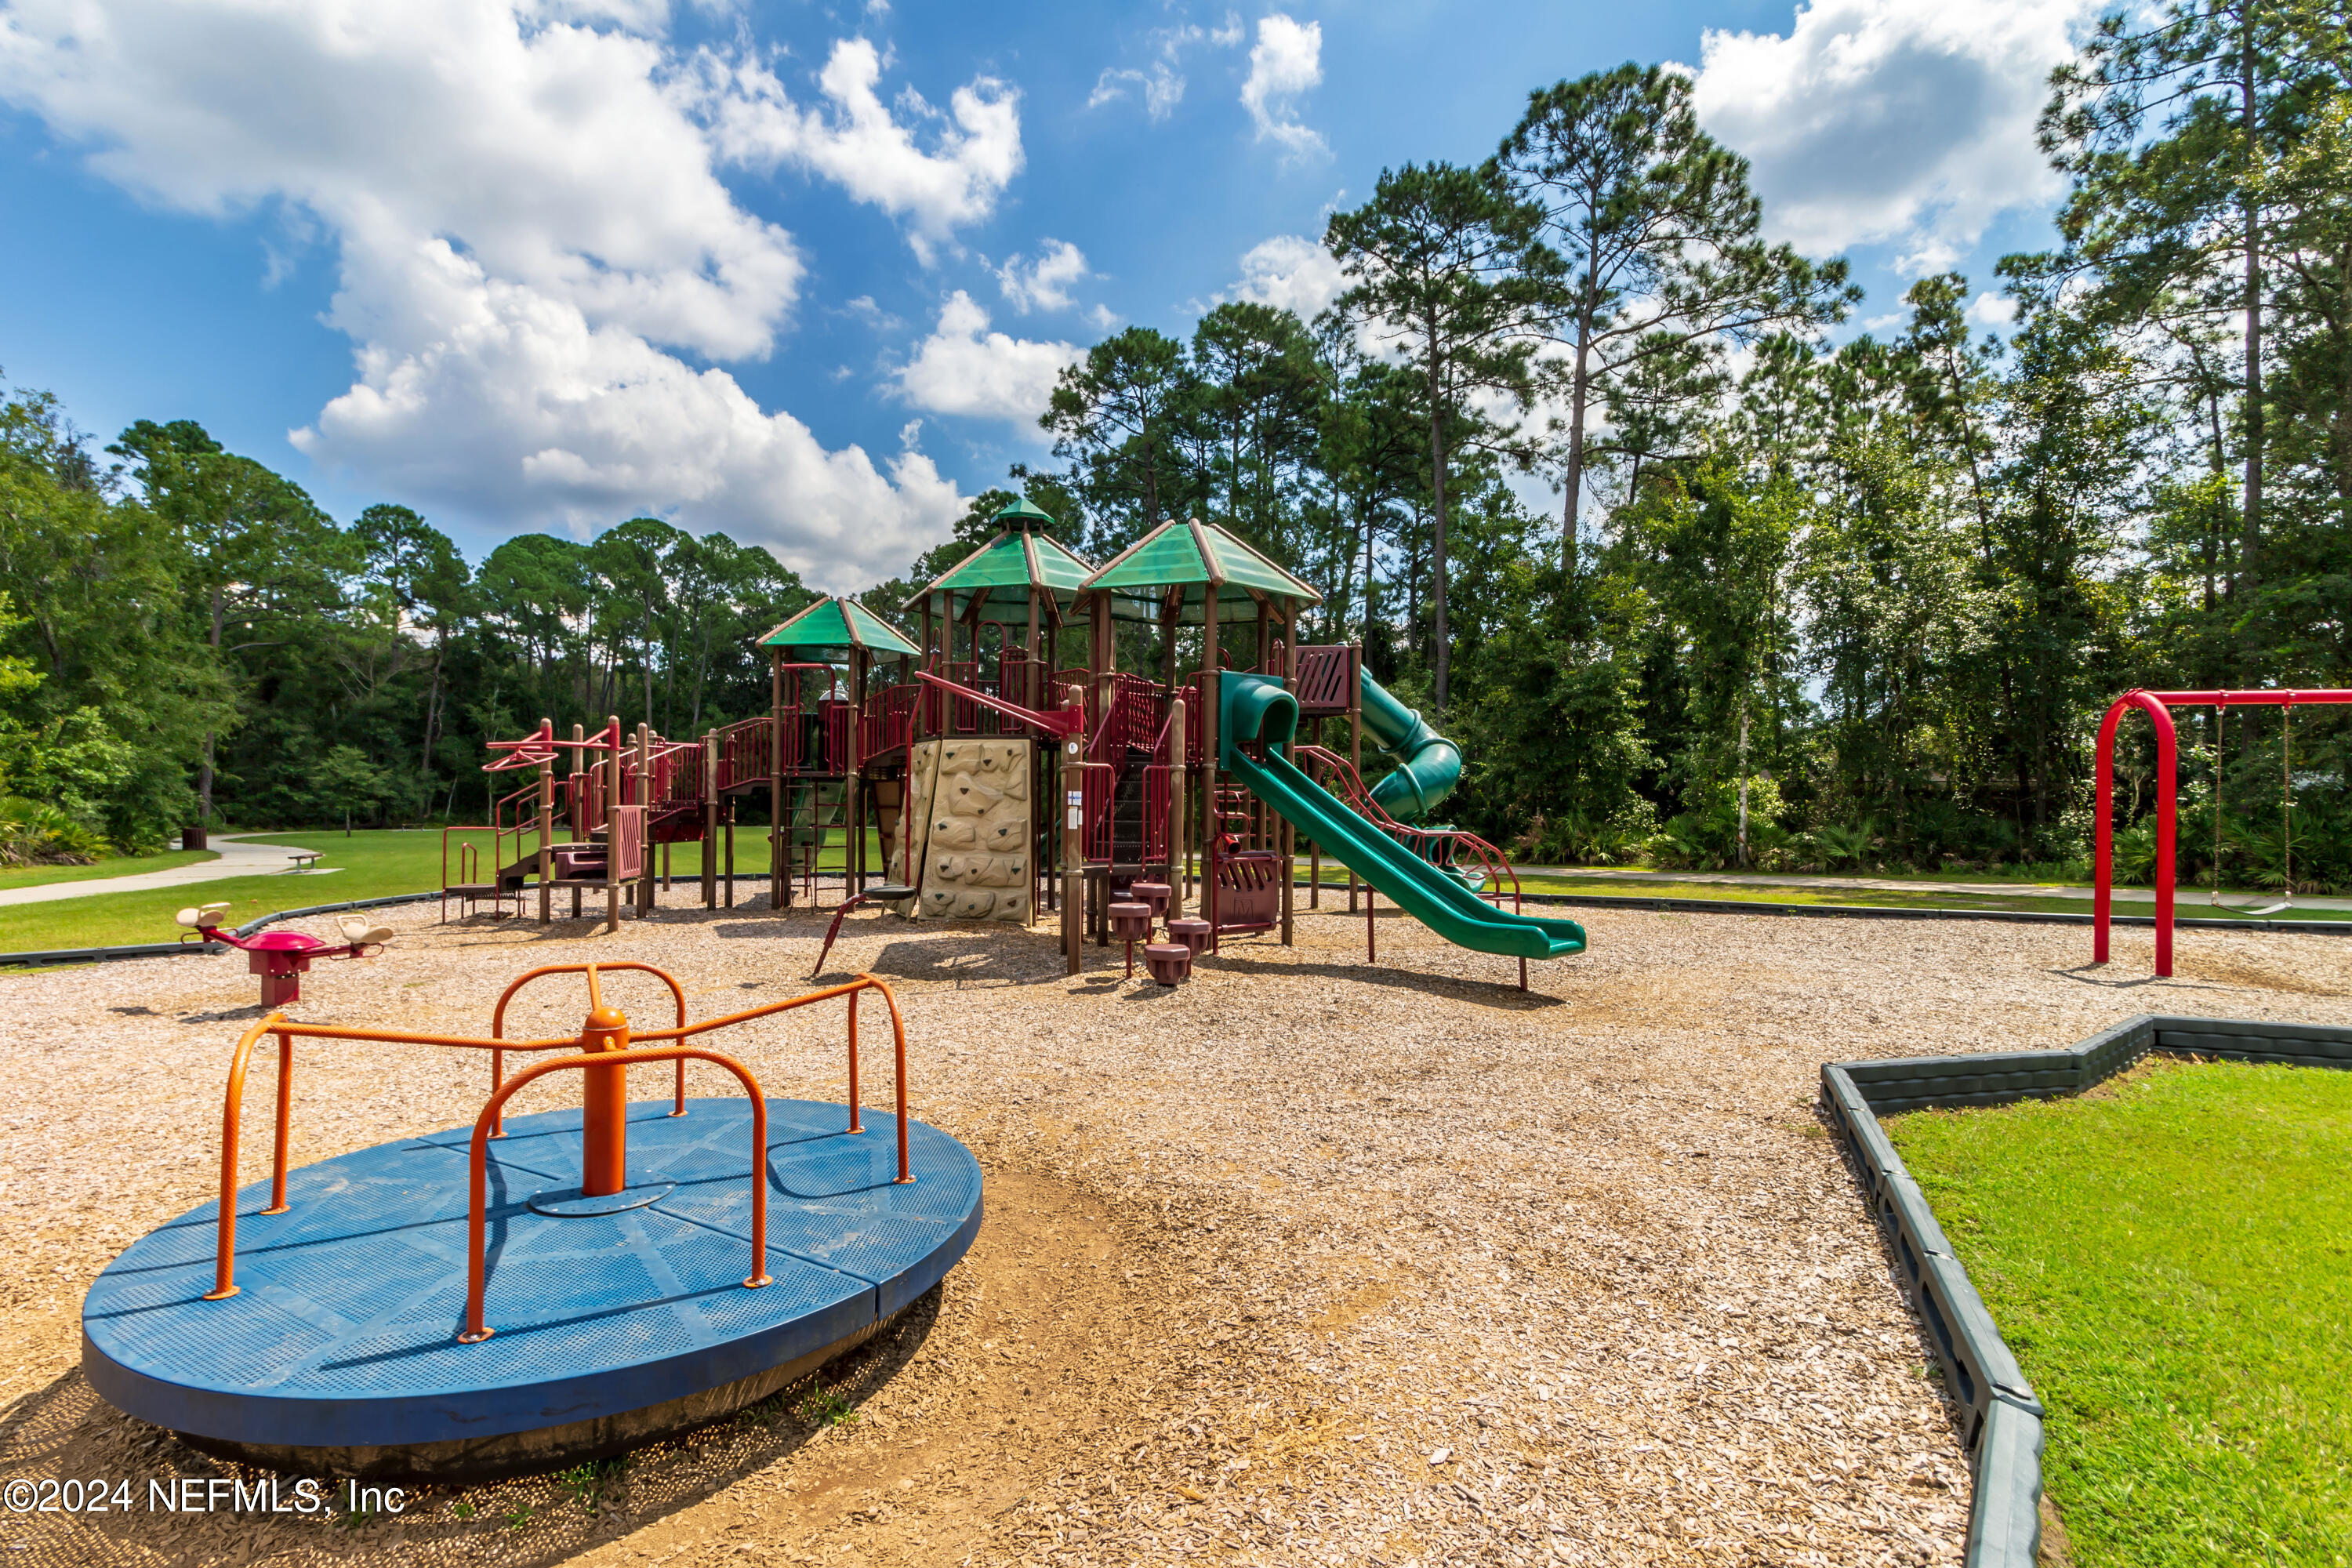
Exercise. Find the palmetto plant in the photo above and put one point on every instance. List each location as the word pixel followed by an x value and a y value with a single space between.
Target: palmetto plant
pixel 1847 845
pixel 34 833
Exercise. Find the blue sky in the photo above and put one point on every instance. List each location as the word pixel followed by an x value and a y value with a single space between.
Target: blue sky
pixel 803 274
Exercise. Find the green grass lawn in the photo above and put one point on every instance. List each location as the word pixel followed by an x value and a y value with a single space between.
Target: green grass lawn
pixel 366 865
pixel 2171 1260
pixel 113 865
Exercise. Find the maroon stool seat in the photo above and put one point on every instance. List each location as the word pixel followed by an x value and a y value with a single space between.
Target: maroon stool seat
pixel 1169 962
pixel 1193 933
pixel 1156 894
pixel 1131 922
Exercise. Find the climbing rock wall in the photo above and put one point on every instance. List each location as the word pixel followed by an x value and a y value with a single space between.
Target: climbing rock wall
pixel 973 845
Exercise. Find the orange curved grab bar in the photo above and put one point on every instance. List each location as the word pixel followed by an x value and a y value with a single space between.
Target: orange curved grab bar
pixel 478 1209
pixel 863 983
pixel 498 1016
pixel 224 1225
pixel 225 1253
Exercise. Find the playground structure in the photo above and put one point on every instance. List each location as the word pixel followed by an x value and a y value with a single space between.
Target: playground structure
pixel 1199 769
pixel 282 957
pixel 2157 705
pixel 650 1278
pixel 951 762
pixel 607 825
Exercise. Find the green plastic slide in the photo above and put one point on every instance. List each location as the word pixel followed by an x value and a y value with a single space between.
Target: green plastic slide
pixel 1428 765
pixel 1254 707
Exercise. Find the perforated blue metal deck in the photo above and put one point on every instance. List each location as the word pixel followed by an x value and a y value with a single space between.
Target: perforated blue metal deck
pixel 343 1331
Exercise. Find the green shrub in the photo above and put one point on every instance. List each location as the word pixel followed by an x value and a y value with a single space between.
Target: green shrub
pixel 33 834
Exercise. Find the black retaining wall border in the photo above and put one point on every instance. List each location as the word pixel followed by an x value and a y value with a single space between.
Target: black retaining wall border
pixel 2002 1427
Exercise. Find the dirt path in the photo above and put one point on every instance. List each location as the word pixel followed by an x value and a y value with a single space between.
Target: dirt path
pixel 1306 1261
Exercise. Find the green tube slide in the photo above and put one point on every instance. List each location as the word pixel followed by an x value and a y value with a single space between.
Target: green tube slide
pixel 1428 765
pixel 1254 707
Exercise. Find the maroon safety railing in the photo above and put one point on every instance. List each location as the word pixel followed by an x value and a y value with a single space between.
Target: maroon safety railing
pixel 1189 693
pixel 1440 846
pixel 888 715
pixel 1321 680
pixel 1155 812
pixel 746 753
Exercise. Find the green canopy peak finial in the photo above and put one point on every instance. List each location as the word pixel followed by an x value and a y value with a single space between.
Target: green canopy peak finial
pixel 1024 512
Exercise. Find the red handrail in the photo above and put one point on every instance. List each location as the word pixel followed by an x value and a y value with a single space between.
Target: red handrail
pixel 1059 722
pixel 1436 846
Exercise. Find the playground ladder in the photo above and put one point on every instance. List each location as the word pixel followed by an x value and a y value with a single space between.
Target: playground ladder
pixel 817 806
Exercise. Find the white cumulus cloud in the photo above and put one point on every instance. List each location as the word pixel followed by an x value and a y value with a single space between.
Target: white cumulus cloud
pixel 1906 122
pixel 1990 310
pixel 1044 284
pixel 525 203
pixel 860 143
pixel 1293 272
pixel 964 368
pixel 513 403
pixel 1285 63
pixel 1159 87
pixel 1161 83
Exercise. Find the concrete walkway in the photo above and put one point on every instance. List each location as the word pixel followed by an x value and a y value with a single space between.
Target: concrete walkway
pixel 237 858
pixel 2187 900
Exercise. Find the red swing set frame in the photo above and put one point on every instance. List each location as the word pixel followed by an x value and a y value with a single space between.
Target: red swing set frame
pixel 2157 705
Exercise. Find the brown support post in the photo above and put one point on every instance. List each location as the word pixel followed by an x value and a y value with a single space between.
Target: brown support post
pixel 1031 698
pixel 645 821
pixel 711 819
pixel 579 766
pixel 1355 736
pixel 1289 831
pixel 730 854
pixel 1170 613
pixel 613 828
pixel 1209 739
pixel 1177 859
pixel 852 848
pixel 1104 658
pixel 777 870
pixel 1070 817
pixel 546 831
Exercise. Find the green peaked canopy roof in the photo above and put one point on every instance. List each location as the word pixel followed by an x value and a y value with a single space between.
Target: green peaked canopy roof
pixel 843 623
pixel 1008 566
pixel 1201 561
pixel 1023 512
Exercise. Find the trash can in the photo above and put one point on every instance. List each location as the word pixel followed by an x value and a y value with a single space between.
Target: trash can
pixel 192 838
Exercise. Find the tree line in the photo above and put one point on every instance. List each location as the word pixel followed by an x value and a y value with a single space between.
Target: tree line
pixel 1803 597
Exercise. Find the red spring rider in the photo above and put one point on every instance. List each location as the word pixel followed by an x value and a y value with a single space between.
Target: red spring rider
pixel 282 957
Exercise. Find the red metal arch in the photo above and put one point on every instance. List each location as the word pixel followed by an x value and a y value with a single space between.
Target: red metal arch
pixel 2157 705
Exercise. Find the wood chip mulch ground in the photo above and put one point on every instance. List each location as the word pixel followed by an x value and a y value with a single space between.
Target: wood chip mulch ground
pixel 1307 1261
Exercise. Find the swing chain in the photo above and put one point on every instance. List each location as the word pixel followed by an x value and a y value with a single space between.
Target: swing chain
pixel 2221 730
pixel 2286 798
